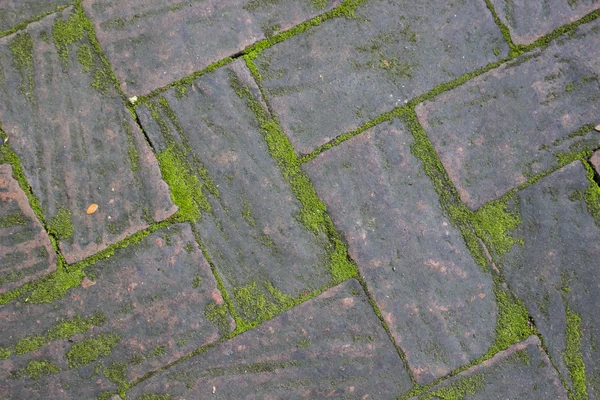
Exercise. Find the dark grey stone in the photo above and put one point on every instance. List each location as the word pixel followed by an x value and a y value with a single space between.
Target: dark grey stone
pixel 252 231
pixel 339 75
pixel 530 20
pixel 25 249
pixel 332 346
pixel 153 295
pixel 523 371
pixel 555 272
pixel 438 303
pixel 498 130
pixel 76 141
pixel 153 43
pixel 13 12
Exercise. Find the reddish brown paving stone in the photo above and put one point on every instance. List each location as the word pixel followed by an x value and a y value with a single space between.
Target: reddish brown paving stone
pixel 555 271
pixel 332 346
pixel 252 232
pixel 13 12
pixel 595 160
pixel 154 296
pixel 501 128
pixel 153 43
pixel 77 145
pixel 343 73
pixel 530 20
pixel 438 303
pixel 25 249
pixel 523 371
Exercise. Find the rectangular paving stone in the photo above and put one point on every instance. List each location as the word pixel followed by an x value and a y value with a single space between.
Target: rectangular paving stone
pixel 523 371
pixel 250 219
pixel 25 249
pixel 498 130
pixel 530 20
pixel 153 43
pixel 339 75
pixel 76 141
pixel 332 346
pixel 144 307
pixel 555 272
pixel 13 12
pixel 437 302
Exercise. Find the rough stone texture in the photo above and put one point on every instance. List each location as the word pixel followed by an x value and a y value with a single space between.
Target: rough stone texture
pixel 77 144
pixel 151 296
pixel 343 73
pixel 556 271
pixel 13 12
pixel 153 43
pixel 438 304
pixel 499 129
pixel 251 233
pixel 25 249
pixel 595 160
pixel 523 371
pixel 530 20
pixel 332 346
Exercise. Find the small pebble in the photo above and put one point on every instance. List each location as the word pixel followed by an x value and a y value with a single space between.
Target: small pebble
pixel 598 127
pixel 92 209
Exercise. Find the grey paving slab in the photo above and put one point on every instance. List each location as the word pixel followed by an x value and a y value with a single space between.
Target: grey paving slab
pixel 438 304
pixel 153 43
pixel 332 346
pixel 142 308
pixel 14 12
pixel 25 249
pixel 501 128
pixel 555 272
pixel 523 371
pixel 252 231
pixel 530 20
pixel 339 75
pixel 76 141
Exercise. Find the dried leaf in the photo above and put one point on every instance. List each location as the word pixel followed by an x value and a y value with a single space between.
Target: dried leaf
pixel 92 209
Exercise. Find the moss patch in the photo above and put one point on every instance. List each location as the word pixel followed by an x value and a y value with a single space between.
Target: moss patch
pixel 493 222
pixel 91 349
pixel 13 220
pixel 573 356
pixel 513 322
pixel 66 32
pixel 36 369
pixel 61 225
pixel 22 49
pixel 85 58
pixel 457 390
pixel 218 315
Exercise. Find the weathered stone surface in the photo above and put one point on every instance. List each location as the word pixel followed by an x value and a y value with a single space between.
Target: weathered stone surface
pixel 25 249
pixel 76 141
pixel 153 43
pixel 438 304
pixel 154 296
pixel 331 346
pixel 501 128
pixel 523 371
pixel 252 231
pixel 13 12
pixel 555 272
pixel 341 74
pixel 530 20
pixel 595 160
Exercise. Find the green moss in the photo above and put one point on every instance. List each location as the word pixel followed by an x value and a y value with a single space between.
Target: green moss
pixel 197 281
pixel 13 220
pixel 36 369
pixel 67 328
pixel 22 49
pixel 573 356
pixel 55 286
pixel 218 315
pixel 503 28
pixel 115 372
pixel 247 213
pixel 493 222
pixel 592 194
pixel 4 353
pixel 66 32
pixel 61 225
pixel 91 349
pixel 29 343
pixel 85 58
pixel 186 188
pixel 457 390
pixel 153 396
pixel 253 305
pixel 513 322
